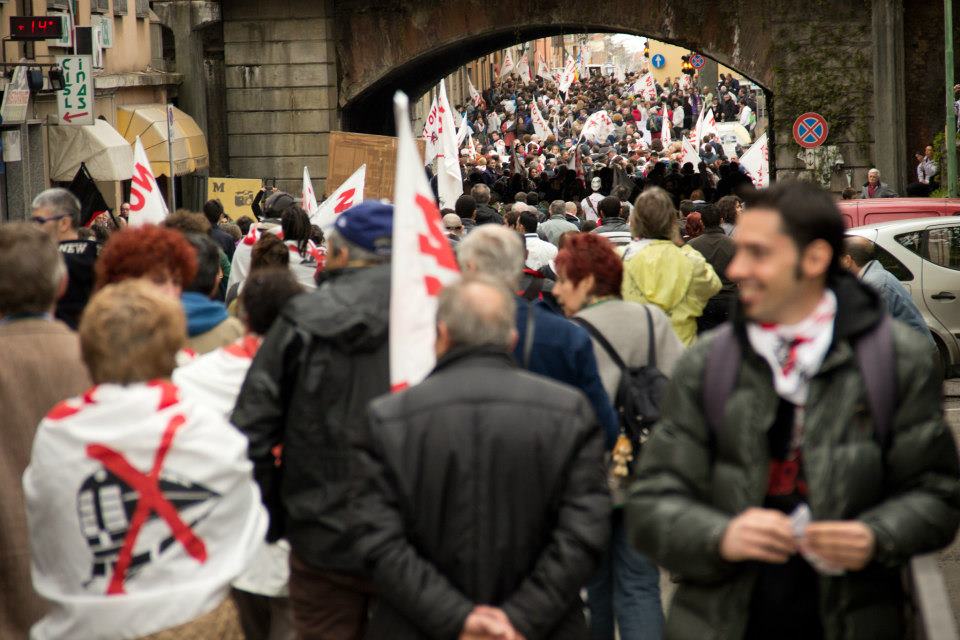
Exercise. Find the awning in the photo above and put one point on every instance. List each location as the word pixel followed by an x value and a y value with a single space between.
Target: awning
pixel 107 154
pixel 149 121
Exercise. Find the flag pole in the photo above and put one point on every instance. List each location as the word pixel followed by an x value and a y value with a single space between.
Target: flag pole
pixel 951 133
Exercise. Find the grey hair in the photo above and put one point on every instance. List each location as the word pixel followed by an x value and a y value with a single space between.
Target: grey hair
pixel 480 193
pixel 874 170
pixel 336 243
pixel 570 207
pixel 495 251
pixel 471 320
pixel 654 216
pixel 59 202
pixel 557 208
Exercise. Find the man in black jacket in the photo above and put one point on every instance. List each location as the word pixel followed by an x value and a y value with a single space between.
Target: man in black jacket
pixel 718 248
pixel 482 507
pixel 485 213
pixel 322 362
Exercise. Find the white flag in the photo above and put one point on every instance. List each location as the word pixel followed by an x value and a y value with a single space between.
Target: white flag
pixel 646 87
pixel 709 125
pixel 463 130
pixel 449 179
pixel 694 134
pixel 142 510
pixel 507 64
pixel 690 155
pixel 757 162
pixel 422 262
pixel 431 132
pixel 146 202
pixel 597 127
pixel 544 71
pixel 523 68
pixel 666 133
pixel 474 94
pixel 619 74
pixel 308 199
pixel 540 126
pixel 569 71
pixel 348 194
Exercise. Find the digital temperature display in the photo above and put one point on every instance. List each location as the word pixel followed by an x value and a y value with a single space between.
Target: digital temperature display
pixel 35 27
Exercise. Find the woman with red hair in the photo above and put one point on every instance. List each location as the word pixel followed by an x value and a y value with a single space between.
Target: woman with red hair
pixel 161 255
pixel 589 277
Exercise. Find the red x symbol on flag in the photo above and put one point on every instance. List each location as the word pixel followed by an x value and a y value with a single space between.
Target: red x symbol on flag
pixel 150 500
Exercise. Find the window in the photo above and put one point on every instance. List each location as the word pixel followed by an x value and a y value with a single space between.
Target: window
pixel 99 6
pixel 120 7
pixel 143 8
pixel 891 264
pixel 912 241
pixel 58 4
pixel 943 247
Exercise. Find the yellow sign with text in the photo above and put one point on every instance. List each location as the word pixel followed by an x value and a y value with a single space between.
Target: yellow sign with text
pixel 236 194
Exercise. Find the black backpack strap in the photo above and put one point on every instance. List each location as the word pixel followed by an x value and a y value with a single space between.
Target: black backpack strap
pixel 599 337
pixel 877 363
pixel 651 343
pixel 528 336
pixel 720 375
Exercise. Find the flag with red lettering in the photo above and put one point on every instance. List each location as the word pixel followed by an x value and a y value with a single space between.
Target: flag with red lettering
pixel 544 71
pixel 146 202
pixel 348 194
pixel 646 87
pixel 709 125
pixel 308 199
pixel 422 262
pixel 507 63
pixel 449 178
pixel 141 510
pixel 523 68
pixel 598 127
pixel 757 162
pixel 540 126
pixel 569 72
pixel 474 94
pixel 431 132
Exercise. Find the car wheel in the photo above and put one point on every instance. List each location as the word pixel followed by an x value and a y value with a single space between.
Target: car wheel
pixel 943 359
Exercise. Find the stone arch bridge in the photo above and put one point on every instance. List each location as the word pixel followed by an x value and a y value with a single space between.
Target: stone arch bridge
pixel 271 78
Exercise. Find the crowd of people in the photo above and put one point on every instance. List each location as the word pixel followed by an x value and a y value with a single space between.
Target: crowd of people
pixel 202 424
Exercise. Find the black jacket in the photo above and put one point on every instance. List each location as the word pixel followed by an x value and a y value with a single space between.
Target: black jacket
pixel 484 484
pixel 488 215
pixel 321 363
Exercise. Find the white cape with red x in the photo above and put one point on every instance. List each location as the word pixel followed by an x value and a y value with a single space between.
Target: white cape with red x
pixel 141 509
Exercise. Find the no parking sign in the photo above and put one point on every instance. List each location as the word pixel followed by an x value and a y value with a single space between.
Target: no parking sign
pixel 810 130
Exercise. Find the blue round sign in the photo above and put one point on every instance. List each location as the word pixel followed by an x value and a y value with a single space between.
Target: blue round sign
pixel 658 61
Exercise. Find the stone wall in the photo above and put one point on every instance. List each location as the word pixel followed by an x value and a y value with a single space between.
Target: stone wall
pixel 281 93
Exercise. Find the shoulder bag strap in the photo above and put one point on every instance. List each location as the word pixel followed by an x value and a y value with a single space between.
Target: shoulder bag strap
pixel 651 343
pixel 877 363
pixel 720 375
pixel 528 335
pixel 593 331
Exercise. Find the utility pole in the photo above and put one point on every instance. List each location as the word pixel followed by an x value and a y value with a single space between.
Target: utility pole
pixel 951 134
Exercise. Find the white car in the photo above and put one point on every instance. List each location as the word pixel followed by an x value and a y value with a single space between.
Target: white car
pixel 924 254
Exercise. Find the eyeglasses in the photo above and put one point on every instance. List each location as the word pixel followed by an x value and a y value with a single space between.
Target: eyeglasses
pixel 45 220
pixel 455 228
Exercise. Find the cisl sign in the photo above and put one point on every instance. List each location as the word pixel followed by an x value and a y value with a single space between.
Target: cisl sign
pixel 75 102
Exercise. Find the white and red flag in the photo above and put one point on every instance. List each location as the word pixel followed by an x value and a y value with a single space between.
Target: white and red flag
pixel 523 68
pixel 449 178
pixel 666 131
pixel 508 65
pixel 709 125
pixel 568 74
pixel 646 87
pixel 347 194
pixel 146 201
pixel 422 262
pixel 141 509
pixel 597 127
pixel 431 132
pixel 690 155
pixel 544 71
pixel 308 198
pixel 474 94
pixel 756 161
pixel 694 134
pixel 540 126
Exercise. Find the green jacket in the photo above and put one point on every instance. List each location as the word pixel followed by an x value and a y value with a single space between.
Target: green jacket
pixel 688 487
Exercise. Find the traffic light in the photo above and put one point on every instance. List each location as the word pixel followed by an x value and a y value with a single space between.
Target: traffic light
pixel 646 49
pixel 686 67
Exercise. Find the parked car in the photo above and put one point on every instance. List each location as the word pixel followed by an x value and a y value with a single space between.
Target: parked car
pixel 732 134
pixel 924 254
pixel 857 213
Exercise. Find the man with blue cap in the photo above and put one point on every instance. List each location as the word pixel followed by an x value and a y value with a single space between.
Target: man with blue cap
pixel 323 360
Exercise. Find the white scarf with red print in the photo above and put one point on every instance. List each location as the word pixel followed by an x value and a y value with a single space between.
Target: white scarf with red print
pixel 795 352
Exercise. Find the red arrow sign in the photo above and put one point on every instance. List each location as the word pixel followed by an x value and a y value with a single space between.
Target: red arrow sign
pixel 70 116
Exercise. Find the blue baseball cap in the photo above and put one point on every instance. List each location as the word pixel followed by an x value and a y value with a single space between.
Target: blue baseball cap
pixel 369 225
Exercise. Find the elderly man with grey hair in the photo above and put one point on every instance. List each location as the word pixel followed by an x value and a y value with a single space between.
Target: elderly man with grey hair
pixel 874 188
pixel 58 213
pixel 481 505
pixel 557 224
pixel 548 344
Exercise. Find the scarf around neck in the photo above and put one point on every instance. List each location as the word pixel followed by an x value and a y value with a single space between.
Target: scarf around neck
pixel 795 352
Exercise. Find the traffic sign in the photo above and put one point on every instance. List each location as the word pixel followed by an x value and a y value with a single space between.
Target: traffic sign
pixel 13 110
pixel 75 102
pixel 658 61
pixel 810 130
pixel 697 61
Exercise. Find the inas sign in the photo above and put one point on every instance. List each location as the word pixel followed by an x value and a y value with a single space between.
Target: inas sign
pixel 75 102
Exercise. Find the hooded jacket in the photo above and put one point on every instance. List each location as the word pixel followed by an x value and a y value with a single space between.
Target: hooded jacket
pixel 323 360
pixel 208 325
pixel 692 482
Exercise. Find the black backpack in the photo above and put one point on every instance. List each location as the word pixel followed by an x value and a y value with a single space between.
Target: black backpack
pixel 641 389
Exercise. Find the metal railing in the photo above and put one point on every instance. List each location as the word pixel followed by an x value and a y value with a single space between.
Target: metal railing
pixel 933 616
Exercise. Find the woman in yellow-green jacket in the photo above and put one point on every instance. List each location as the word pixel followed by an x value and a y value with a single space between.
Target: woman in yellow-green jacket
pixel 677 279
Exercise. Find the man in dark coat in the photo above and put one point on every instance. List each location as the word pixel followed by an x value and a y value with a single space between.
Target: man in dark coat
pixel 322 362
pixel 482 507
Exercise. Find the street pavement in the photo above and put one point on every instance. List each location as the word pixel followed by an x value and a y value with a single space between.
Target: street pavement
pixel 950 557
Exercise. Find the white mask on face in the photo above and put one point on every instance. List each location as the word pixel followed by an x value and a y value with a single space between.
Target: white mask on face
pixel 595 184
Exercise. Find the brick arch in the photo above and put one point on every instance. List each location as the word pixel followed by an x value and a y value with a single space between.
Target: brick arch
pixel 408 45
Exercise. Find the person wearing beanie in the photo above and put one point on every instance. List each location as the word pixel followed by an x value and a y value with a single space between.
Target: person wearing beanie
pixel 323 360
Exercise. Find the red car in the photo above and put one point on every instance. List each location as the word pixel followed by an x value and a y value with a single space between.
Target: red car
pixel 857 213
